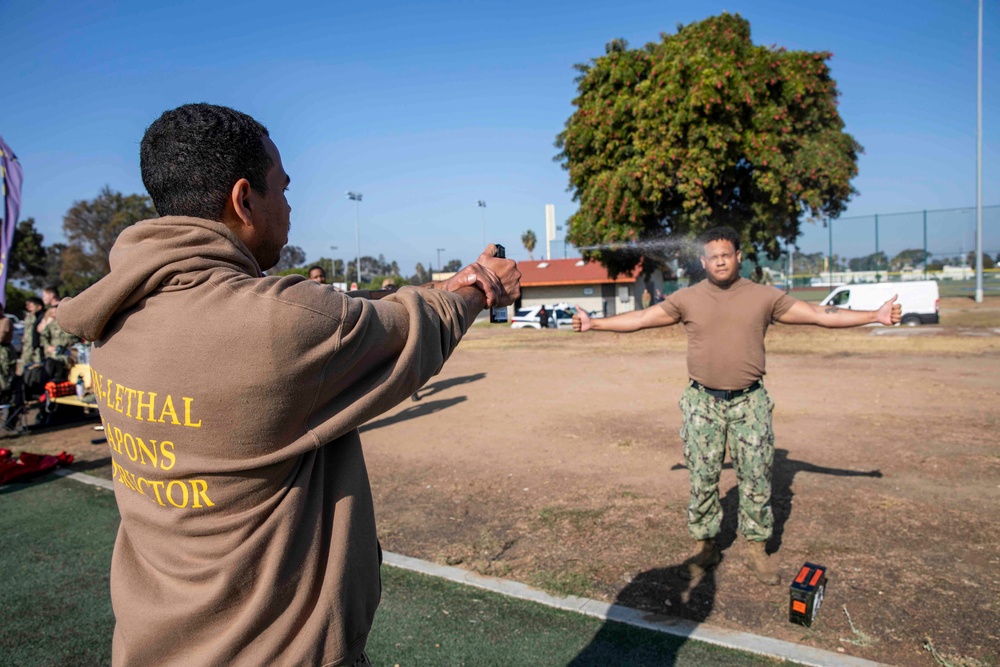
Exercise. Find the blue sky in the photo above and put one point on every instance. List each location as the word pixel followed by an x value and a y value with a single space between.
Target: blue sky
pixel 426 108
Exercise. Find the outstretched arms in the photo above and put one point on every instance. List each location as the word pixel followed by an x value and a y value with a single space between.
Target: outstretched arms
pixel 636 320
pixel 832 317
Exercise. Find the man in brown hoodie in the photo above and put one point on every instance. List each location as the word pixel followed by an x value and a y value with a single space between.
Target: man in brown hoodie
pixel 231 403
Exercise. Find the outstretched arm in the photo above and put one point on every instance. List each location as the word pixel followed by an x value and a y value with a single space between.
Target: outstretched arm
pixel 832 317
pixel 647 318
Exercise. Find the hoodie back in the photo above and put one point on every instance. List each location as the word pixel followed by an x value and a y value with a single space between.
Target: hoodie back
pixel 231 403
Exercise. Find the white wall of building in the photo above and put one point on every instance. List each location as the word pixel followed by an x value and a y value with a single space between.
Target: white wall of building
pixel 627 296
pixel 571 294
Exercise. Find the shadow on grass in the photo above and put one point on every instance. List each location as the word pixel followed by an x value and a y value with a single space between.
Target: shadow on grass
pixel 84 466
pixel 29 483
pixel 663 592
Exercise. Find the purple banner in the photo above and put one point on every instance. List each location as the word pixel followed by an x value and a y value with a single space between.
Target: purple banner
pixel 11 176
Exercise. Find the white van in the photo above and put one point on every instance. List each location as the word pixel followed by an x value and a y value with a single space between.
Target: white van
pixel 918 299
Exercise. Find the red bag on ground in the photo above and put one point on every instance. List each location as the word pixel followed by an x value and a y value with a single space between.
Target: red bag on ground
pixel 29 465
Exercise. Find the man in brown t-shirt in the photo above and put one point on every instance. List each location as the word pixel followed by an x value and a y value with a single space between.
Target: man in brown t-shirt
pixel 725 403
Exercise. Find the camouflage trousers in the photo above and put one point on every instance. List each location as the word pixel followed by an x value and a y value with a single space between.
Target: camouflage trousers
pixel 744 425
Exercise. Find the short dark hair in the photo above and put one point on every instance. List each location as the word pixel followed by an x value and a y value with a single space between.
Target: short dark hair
pixel 720 234
pixel 35 300
pixel 316 266
pixel 191 157
pixel 54 289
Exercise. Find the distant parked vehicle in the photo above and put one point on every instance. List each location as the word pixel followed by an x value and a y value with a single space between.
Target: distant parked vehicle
pixel 918 299
pixel 560 317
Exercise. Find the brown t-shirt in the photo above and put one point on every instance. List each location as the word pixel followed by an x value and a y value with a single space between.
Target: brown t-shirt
pixel 725 329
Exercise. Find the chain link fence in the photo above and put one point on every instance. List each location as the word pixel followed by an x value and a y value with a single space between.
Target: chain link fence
pixel 917 245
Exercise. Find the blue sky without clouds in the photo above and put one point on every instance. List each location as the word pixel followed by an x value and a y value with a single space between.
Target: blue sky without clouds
pixel 426 108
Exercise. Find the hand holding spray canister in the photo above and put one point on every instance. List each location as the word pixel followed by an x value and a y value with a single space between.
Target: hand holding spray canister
pixel 498 314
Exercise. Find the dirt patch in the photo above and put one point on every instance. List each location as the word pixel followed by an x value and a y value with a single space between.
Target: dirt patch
pixel 554 459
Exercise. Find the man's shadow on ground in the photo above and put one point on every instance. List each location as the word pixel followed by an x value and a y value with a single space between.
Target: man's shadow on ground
pixel 668 592
pixel 783 474
pixel 441 385
pixel 425 409
pixel 421 410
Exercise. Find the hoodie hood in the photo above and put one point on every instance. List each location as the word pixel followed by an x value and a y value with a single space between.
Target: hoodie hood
pixel 167 251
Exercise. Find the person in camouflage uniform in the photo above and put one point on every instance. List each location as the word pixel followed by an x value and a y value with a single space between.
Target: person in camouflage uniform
pixel 31 347
pixel 8 365
pixel 744 423
pixel 725 404
pixel 54 341
pixel 8 357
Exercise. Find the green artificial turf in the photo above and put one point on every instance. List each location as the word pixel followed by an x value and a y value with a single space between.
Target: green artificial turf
pixel 57 537
pixel 424 620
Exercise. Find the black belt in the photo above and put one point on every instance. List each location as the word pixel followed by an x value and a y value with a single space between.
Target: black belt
pixel 725 394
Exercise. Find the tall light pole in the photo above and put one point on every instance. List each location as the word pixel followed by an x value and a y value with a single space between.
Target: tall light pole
pixel 440 250
pixel 979 163
pixel 482 204
pixel 356 198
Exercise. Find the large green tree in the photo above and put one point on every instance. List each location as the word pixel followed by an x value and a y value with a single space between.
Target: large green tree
pixel 28 259
pixel 91 228
pixel 704 128
pixel 53 266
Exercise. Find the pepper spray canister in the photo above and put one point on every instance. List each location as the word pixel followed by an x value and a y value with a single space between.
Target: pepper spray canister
pixel 498 315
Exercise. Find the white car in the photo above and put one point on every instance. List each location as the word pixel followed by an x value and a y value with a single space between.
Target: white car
pixel 560 317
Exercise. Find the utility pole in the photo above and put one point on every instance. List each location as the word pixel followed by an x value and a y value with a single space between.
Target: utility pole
pixel 356 198
pixel 791 273
pixel 979 163
pixel 481 204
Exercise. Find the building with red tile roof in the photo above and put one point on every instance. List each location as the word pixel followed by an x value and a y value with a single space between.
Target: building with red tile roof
pixel 574 281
